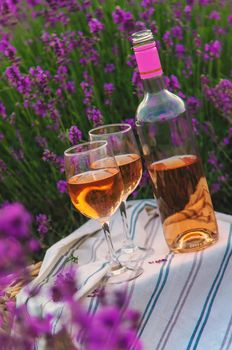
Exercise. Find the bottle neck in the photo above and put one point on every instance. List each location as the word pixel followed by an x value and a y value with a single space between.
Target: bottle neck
pixel 154 85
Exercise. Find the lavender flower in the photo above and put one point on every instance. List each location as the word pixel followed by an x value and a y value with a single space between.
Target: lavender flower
pixel 15 221
pixel 3 110
pixel 137 82
pixel 215 15
pixel 172 82
pixel 95 25
pixel 180 50
pixel 109 68
pixel 123 19
pixel 109 88
pixel 212 50
pixel 42 223
pixel 62 186
pixel 221 97
pixel 130 121
pixel 94 115
pixel 177 32
pixel 49 156
pixel 229 18
pixel 65 286
pixel 193 104
pixel 167 39
pixel 75 135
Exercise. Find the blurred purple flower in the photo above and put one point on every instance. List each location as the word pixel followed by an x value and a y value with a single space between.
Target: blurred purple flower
pixel 180 50
pixel 40 77
pixel 49 156
pixel 109 68
pixel 42 223
pixel 167 39
pixel 95 25
pixel 70 86
pixel 154 29
pixel 212 50
pixel 177 32
pixel 147 3
pixel 147 15
pixel 137 82
pixel 16 79
pixel 212 159
pixel 62 186
pixel 215 15
pixel 41 141
pixel 195 124
pixel 219 30
pixel 88 52
pixel 187 11
pixel 221 97
pixel 94 115
pixel 131 61
pixel 172 82
pixel 230 19
pixel 139 25
pixel 75 135
pixel 6 48
pixel 124 19
pixel 65 286
pixel 2 110
pixel 204 2
pixel 40 108
pixel 226 141
pixel 193 104
pixel 15 221
pixel 130 121
pixel 109 88
pixel 215 187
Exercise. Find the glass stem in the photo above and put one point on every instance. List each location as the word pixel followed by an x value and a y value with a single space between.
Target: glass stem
pixel 128 243
pixel 113 258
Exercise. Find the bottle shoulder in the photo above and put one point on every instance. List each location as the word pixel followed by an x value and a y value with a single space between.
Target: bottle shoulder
pixel 163 104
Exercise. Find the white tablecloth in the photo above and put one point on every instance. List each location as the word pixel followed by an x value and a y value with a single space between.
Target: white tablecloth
pixel 185 300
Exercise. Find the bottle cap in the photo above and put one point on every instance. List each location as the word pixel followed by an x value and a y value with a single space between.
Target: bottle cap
pixel 146 54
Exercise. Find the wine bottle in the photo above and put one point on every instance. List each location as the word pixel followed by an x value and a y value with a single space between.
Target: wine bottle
pixel 172 156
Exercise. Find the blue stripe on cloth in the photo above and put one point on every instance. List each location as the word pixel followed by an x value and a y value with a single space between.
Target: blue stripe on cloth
pixel 197 333
pixel 94 273
pixel 181 300
pixel 156 293
pixel 138 208
pixel 226 336
pixel 57 320
pixel 229 343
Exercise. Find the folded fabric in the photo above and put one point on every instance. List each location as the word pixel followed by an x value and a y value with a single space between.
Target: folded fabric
pixel 86 245
pixel 184 299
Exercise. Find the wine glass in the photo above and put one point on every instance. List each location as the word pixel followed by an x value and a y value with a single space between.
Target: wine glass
pixel 96 189
pixel 121 140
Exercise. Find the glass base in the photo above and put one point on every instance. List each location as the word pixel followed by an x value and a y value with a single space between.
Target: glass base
pixel 133 254
pixel 120 274
pixel 193 240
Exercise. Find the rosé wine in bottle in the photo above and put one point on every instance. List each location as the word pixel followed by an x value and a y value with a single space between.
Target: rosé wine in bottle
pixel 172 157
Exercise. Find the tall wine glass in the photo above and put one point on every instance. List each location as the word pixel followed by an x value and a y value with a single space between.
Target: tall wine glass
pixel 96 189
pixel 121 140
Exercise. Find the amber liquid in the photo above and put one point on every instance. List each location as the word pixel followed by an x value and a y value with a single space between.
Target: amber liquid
pixel 131 169
pixel 96 194
pixel 184 202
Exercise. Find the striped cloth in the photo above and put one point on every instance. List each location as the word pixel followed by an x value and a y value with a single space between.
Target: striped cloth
pixel 184 299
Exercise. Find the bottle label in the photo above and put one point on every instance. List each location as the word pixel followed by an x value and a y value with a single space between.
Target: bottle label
pixel 148 61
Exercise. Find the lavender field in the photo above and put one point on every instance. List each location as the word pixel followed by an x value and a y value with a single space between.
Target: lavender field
pixel 67 66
